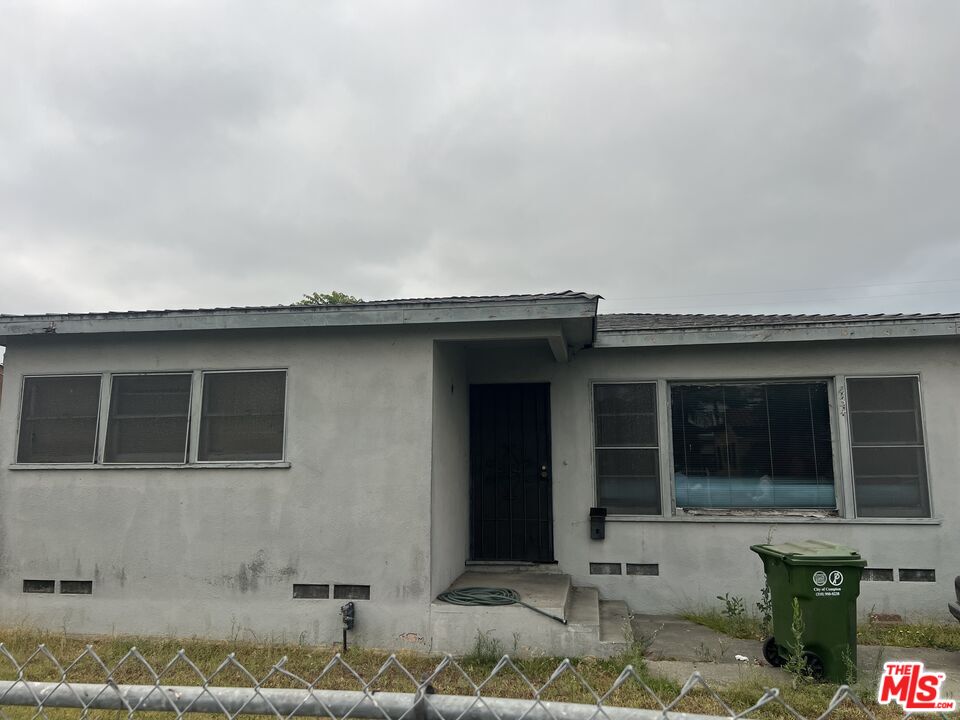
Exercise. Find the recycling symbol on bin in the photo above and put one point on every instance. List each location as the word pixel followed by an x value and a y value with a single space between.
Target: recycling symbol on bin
pixel 836 578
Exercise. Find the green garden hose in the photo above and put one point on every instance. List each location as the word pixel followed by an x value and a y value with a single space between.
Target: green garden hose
pixel 490 597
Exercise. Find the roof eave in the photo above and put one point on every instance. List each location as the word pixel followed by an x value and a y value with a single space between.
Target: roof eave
pixel 369 314
pixel 779 333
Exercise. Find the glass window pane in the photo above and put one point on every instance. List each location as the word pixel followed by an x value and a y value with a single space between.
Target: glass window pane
pixel 884 393
pixel 242 416
pixel 58 419
pixel 149 416
pixel 890 428
pixel 628 481
pixel 891 482
pixel 752 445
pixel 625 415
pixel 885 411
pixel 889 467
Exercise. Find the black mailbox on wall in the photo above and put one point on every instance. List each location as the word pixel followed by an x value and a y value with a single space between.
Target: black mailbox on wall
pixel 598 523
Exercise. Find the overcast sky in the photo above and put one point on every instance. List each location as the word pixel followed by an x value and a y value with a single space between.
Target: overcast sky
pixel 715 156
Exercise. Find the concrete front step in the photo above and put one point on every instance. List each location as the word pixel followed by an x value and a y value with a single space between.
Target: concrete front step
pixel 594 627
pixel 498 566
pixel 584 612
pixel 614 622
pixel 549 592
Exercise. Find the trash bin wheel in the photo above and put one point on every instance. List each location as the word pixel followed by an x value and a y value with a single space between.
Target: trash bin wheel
pixel 814 665
pixel 771 652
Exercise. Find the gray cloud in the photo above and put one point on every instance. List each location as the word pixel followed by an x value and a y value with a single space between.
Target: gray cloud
pixel 668 155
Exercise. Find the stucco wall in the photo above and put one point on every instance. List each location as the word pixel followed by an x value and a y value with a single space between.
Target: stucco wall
pixel 451 465
pixel 701 558
pixel 215 551
pixel 378 451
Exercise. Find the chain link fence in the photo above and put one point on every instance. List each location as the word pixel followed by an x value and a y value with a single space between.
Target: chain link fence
pixel 280 693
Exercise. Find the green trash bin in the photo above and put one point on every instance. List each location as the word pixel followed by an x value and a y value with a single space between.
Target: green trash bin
pixel 825 579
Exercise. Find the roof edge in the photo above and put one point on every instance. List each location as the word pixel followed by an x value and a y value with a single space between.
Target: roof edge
pixel 558 306
pixel 799 332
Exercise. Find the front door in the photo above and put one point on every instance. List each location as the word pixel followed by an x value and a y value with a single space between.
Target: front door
pixel 511 503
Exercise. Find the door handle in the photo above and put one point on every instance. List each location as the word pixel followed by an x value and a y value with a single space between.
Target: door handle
pixel 543 471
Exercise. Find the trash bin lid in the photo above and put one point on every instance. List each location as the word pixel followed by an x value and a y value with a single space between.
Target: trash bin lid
pixel 812 552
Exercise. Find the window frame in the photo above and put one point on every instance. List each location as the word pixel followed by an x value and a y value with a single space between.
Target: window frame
pixel 658 420
pixel 95 455
pixel 193 423
pixel 848 414
pixel 197 411
pixel 840 504
pixel 106 401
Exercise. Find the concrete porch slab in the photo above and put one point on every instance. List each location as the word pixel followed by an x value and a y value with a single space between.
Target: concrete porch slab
pixel 518 630
pixel 549 592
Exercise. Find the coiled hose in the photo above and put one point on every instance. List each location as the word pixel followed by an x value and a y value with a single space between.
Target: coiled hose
pixel 490 597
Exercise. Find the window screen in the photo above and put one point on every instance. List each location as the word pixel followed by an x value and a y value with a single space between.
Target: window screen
pixel 886 434
pixel 58 419
pixel 752 445
pixel 148 419
pixel 627 450
pixel 242 416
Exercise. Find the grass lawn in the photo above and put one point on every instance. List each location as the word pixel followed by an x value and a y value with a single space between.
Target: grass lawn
pixel 933 635
pixel 308 662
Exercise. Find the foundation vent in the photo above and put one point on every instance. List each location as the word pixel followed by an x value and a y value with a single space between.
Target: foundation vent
pixel 351 592
pixel 311 591
pixel 76 587
pixel 918 575
pixel 877 575
pixel 606 568
pixel 38 586
pixel 643 569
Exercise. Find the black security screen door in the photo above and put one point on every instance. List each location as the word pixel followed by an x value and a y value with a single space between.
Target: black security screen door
pixel 511 512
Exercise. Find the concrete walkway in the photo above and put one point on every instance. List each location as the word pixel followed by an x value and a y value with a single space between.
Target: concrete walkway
pixel 677 647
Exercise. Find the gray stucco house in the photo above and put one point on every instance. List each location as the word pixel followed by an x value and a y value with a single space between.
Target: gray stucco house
pixel 248 469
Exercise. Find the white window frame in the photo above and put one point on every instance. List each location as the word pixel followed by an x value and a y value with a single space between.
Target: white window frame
pixel 106 399
pixel 193 423
pixel 95 459
pixel 658 447
pixel 840 505
pixel 847 412
pixel 197 410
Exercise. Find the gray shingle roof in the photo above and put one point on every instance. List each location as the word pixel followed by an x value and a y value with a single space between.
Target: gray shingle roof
pixel 455 300
pixel 647 322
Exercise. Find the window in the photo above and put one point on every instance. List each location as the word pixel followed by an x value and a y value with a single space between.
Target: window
pixel 149 415
pixel 58 419
pixel 627 450
pixel 153 418
pixel 752 445
pixel 242 416
pixel 886 435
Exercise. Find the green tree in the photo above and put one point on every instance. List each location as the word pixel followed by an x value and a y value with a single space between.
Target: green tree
pixel 334 297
